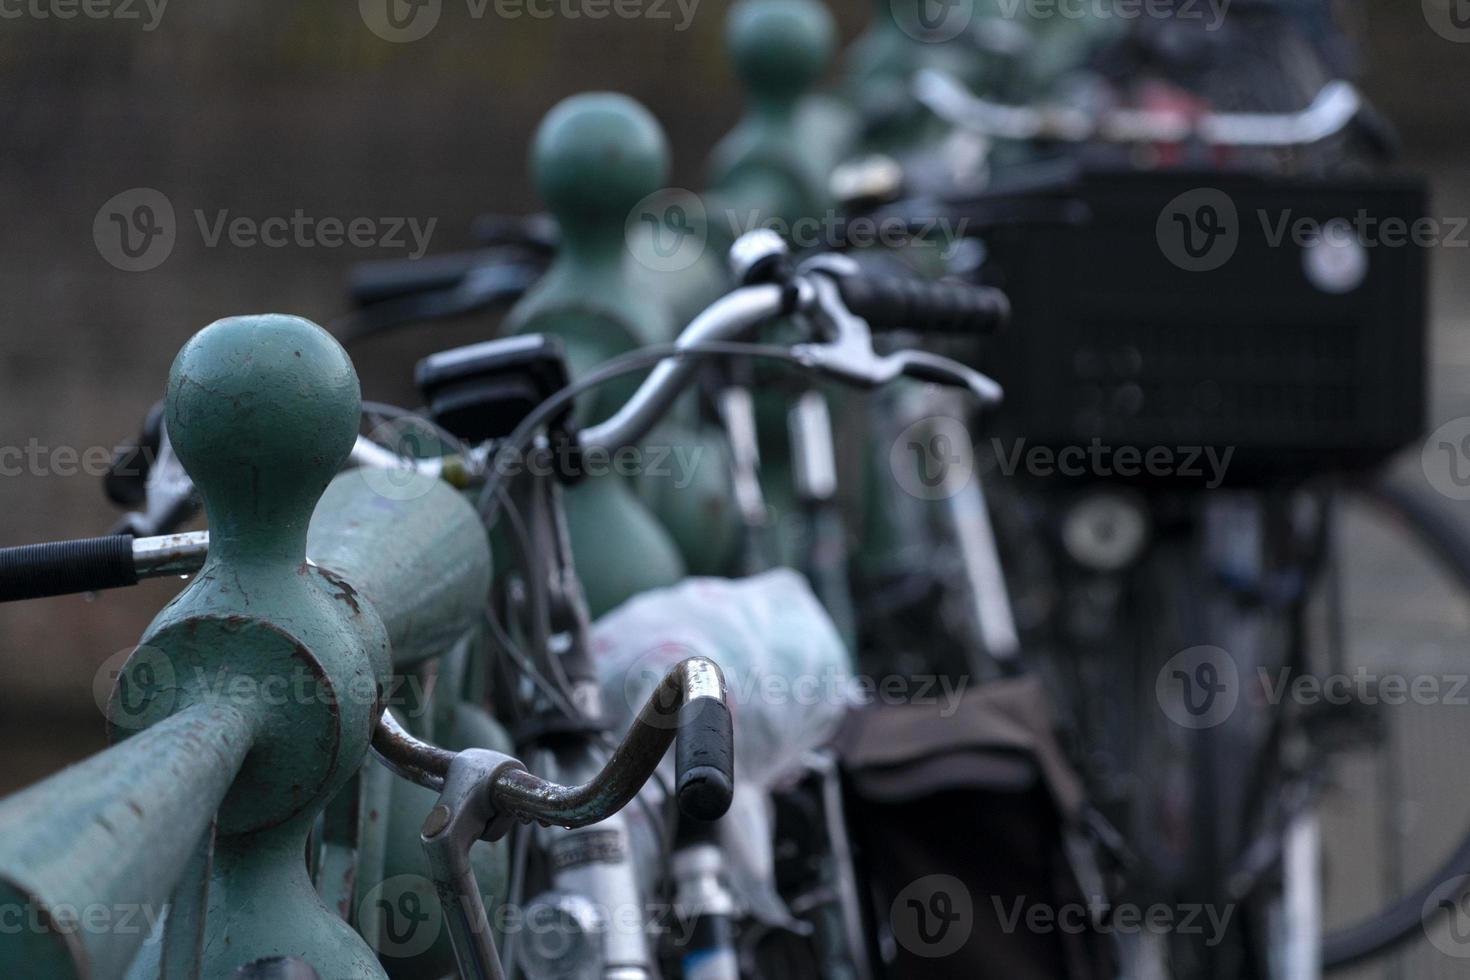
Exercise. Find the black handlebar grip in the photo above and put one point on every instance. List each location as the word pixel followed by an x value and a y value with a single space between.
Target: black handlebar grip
pixel 704 759
pixel 388 279
pixel 63 567
pixel 909 303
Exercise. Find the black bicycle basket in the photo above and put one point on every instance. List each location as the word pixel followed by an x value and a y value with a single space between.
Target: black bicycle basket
pixel 1279 318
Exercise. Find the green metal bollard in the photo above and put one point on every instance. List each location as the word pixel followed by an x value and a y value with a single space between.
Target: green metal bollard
pixel 252 697
pixel 776 163
pixel 772 169
pixel 596 158
pixel 262 412
pixel 428 592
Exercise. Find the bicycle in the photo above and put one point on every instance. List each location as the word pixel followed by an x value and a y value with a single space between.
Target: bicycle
pixel 1146 565
pixel 482 790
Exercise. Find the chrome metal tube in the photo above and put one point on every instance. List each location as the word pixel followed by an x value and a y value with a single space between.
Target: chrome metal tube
pixel 728 319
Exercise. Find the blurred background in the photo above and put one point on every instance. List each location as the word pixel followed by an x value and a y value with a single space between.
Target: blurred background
pixel 261 109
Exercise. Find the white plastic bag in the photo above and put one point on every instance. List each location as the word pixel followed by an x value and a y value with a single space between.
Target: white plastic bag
pixel 787 674
pixel 786 670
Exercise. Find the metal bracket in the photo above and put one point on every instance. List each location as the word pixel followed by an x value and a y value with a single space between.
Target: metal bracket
pixel 464 815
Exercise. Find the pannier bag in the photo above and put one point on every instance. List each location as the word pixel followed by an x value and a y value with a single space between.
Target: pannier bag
pixel 966 822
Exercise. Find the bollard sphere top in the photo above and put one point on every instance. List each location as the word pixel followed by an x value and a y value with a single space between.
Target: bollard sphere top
pixel 595 156
pixel 780 47
pixel 262 411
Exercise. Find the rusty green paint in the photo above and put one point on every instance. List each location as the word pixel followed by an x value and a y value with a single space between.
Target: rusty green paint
pixel 91 856
pixel 255 692
pixel 422 562
pixel 262 412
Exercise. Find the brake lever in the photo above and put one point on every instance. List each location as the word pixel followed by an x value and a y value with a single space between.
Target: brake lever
pixel 169 497
pixel 850 357
pixel 483 793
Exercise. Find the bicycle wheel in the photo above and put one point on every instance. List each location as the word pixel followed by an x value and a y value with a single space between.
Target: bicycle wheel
pixel 1417 909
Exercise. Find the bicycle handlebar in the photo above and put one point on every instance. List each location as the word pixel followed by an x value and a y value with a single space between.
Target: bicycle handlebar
pixel 57 568
pixel 906 303
pixel 1336 105
pixel 687 707
pixel 389 279
pixel 835 291
pixel 830 289
pixel 726 319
